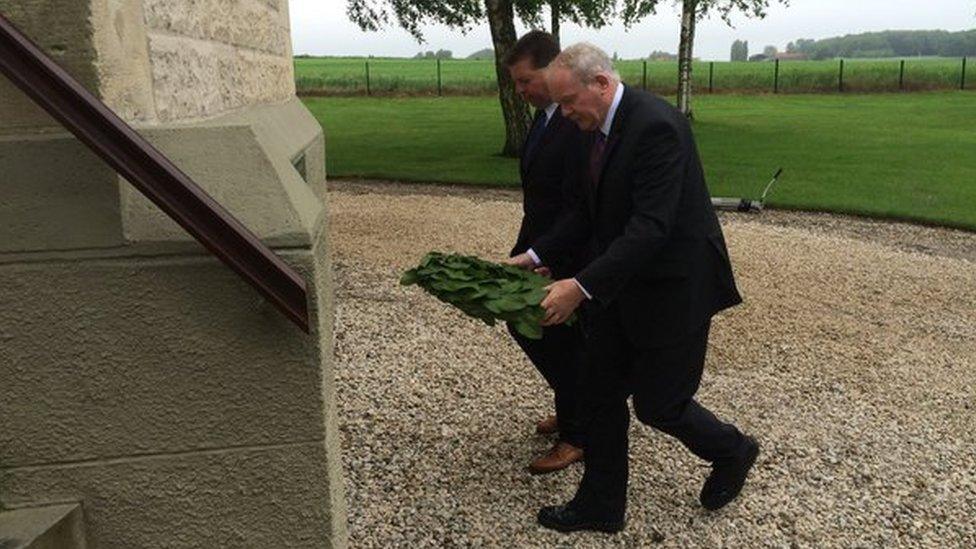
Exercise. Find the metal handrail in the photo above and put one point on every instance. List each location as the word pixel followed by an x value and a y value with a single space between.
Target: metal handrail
pixel 146 168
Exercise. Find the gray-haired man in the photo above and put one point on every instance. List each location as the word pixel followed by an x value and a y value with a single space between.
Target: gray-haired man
pixel 658 271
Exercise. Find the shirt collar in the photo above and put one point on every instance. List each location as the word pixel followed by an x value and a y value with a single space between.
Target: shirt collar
pixel 605 128
pixel 551 110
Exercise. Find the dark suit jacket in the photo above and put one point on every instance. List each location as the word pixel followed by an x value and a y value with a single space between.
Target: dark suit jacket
pixel 550 188
pixel 657 257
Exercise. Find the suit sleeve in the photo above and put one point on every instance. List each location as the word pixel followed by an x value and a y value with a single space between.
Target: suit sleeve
pixel 571 231
pixel 659 172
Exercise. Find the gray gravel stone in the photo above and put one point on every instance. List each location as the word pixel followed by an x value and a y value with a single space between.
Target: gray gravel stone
pixel 853 360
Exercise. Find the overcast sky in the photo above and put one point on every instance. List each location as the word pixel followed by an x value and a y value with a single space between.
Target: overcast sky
pixel 320 27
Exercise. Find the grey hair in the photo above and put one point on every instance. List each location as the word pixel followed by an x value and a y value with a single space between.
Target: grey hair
pixel 585 61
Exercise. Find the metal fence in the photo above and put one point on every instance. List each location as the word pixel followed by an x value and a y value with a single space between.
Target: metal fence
pixel 344 76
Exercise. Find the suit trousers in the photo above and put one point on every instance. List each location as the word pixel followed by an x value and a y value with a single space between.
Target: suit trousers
pixel 662 382
pixel 559 358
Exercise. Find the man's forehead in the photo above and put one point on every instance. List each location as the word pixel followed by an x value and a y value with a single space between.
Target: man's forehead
pixel 560 78
pixel 524 65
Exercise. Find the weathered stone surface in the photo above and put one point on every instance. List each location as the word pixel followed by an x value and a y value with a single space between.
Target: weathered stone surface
pixel 251 24
pixel 196 79
pixel 64 31
pixel 123 59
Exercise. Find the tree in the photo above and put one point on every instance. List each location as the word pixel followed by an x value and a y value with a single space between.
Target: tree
pixel 585 13
pixel 770 51
pixel 691 12
pixel 892 44
pixel 740 50
pixel 371 15
pixel 515 111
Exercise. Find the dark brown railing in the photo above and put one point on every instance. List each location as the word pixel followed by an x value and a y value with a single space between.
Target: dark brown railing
pixel 135 159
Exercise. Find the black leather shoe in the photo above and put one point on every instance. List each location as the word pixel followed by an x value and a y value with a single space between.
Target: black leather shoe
pixel 728 476
pixel 566 518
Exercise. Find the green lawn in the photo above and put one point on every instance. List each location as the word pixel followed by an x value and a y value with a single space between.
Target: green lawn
pixel 909 156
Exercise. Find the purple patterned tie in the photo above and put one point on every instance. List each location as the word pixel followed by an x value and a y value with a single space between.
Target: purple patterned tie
pixel 596 157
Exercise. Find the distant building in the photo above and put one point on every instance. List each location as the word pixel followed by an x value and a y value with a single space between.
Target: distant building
pixel 662 56
pixel 783 56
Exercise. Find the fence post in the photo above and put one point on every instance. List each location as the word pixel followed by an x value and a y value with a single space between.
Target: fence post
pixel 438 77
pixel 367 78
pixel 840 77
pixel 644 76
pixel 901 75
pixel 776 77
pixel 711 76
pixel 962 78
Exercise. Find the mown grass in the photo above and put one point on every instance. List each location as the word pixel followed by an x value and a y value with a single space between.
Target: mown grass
pixel 391 76
pixel 905 156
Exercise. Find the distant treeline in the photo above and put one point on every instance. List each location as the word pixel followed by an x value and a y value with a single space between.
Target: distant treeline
pixel 889 44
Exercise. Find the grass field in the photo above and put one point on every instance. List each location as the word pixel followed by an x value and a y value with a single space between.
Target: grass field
pixel 906 156
pixel 345 76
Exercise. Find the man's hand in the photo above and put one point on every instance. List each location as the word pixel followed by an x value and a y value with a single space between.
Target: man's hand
pixel 544 271
pixel 522 261
pixel 563 298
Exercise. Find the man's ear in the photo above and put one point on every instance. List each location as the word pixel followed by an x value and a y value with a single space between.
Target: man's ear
pixel 602 81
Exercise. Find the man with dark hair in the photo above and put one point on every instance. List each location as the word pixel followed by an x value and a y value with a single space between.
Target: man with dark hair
pixel 658 270
pixel 550 188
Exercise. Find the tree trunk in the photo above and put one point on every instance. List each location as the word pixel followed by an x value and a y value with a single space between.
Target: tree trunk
pixel 554 17
pixel 501 19
pixel 685 53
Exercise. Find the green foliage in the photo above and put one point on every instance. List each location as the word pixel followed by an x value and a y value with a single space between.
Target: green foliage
pixel 891 44
pixel 483 290
pixel 635 10
pixel 372 15
pixel 482 54
pixel 740 50
pixel 585 13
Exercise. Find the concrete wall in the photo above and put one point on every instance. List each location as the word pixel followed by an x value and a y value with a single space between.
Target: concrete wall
pixel 141 377
pixel 63 30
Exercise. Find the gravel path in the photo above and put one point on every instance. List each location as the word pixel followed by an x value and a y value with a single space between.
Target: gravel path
pixel 853 360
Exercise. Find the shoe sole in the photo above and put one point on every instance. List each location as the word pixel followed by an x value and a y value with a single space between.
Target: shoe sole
pixel 606 527
pixel 752 461
pixel 535 471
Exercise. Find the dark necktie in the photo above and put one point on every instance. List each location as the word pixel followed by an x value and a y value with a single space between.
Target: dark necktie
pixel 596 157
pixel 535 134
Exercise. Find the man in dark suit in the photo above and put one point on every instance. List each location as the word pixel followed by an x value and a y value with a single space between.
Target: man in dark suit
pixel 658 270
pixel 550 190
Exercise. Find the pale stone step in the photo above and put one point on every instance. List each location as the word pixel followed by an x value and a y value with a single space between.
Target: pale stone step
pixel 52 527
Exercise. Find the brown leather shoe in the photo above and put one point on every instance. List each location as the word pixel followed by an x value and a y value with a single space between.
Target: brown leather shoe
pixel 560 456
pixel 547 426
